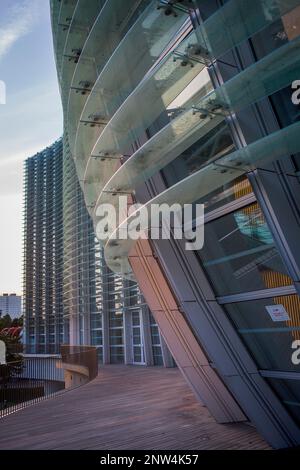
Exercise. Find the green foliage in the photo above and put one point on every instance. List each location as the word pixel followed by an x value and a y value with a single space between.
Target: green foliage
pixel 17 321
pixel 13 347
pixel 7 322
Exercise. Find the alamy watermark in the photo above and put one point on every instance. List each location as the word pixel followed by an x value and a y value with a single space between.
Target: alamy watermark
pixel 296 93
pixel 2 92
pixel 158 221
pixel 296 344
pixel 296 353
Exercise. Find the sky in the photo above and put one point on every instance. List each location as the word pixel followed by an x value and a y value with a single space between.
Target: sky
pixel 30 120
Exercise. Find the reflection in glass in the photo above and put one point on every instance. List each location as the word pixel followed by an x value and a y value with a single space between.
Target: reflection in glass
pixel 269 341
pixel 239 250
pixel 289 392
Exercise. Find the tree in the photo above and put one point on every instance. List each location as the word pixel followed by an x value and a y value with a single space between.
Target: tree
pixel 12 347
pixel 5 322
pixel 17 321
pixel 13 358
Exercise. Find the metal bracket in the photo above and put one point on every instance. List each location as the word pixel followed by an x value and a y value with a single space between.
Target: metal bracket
pixel 213 109
pixel 83 88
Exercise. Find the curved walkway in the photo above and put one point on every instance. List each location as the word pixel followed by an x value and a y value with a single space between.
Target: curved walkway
pixel 126 407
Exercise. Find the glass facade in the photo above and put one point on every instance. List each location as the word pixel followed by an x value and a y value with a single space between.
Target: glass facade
pixel 241 257
pixel 289 391
pixel 156 347
pixel 43 250
pixel 70 295
pixel 269 341
pixel 240 253
pixel 195 116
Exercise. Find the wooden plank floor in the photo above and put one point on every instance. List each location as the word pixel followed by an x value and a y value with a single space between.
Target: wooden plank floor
pixel 126 407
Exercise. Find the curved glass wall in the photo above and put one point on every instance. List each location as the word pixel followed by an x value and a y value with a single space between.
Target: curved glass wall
pixel 204 111
pixel 242 261
pixel 239 249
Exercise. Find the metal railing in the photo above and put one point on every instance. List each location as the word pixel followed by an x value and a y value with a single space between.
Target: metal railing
pixel 39 348
pixel 32 378
pixel 29 380
pixel 83 356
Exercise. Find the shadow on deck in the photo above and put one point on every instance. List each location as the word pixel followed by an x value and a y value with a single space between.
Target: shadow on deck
pixel 125 407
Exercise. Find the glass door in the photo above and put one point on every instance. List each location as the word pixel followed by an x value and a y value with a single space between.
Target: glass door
pixel 137 338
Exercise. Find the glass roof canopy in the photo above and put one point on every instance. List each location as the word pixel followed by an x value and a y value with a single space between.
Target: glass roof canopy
pixel 144 105
pixel 64 11
pixel 84 15
pixel 108 30
pixel 283 142
pixel 239 20
pixel 94 184
pixel 263 78
pixel 154 30
pixel 107 111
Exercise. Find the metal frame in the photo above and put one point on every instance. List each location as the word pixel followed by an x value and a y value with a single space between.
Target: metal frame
pixel 257 295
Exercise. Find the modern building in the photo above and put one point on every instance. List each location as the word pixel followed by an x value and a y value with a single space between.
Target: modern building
pixel 43 250
pixel 70 296
pixel 99 307
pixel 196 102
pixel 10 304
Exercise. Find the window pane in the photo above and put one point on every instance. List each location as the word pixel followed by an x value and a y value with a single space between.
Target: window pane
pixel 239 253
pixel 268 334
pixel 230 192
pixel 289 392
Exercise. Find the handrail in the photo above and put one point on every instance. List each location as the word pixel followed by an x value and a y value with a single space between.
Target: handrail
pixel 27 381
pixel 80 356
pixel 34 378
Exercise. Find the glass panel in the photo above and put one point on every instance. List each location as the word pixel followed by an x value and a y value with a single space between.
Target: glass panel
pixel 269 335
pixel 157 356
pixel 152 97
pixel 214 144
pixel 291 23
pixel 155 340
pixel 289 392
pixel 224 171
pixel 64 19
pixel 136 319
pixel 259 80
pixel 108 30
pixel 116 339
pixel 239 20
pixel 116 355
pixel 230 192
pixel 77 27
pixel 249 86
pixel 154 30
pixel 137 355
pixel 136 336
pixel 239 253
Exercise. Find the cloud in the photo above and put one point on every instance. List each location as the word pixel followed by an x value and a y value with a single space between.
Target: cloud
pixel 19 21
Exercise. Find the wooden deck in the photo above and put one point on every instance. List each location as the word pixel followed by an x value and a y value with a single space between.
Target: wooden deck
pixel 125 408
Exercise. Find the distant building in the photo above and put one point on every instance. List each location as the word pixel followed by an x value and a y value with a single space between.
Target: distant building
pixel 43 248
pixel 10 304
pixel 70 296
